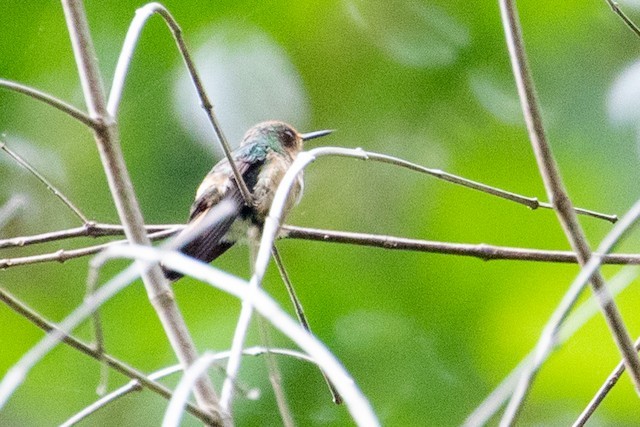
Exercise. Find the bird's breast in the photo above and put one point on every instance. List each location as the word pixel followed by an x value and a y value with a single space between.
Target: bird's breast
pixel 269 178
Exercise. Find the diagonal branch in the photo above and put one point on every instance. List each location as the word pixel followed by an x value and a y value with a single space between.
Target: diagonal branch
pixel 107 139
pixel 606 387
pixel 558 196
pixel 628 22
pixel 531 202
pixel 302 318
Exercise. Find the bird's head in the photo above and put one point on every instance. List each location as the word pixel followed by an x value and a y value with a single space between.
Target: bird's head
pixel 280 136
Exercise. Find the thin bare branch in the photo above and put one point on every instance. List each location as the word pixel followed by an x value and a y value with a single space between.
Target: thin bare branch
pixel 606 387
pixel 90 229
pixel 133 34
pixel 531 202
pixel 97 334
pixel 628 22
pixel 22 162
pixel 275 376
pixel 131 386
pixel 295 301
pixel 557 193
pixel 32 316
pixel 482 251
pixel 337 399
pixel 107 139
pixel 52 101
pixel 63 255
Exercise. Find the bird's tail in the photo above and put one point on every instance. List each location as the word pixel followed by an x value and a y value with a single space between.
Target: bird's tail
pixel 209 241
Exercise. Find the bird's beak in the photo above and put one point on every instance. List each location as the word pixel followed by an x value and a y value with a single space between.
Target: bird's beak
pixel 316 134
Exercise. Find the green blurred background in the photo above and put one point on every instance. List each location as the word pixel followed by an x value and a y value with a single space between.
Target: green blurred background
pixel 425 336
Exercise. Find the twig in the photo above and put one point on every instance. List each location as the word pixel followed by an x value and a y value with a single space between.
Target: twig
pixel 90 229
pixel 628 22
pixel 24 311
pixel 97 334
pixel 337 399
pixel 531 202
pixel 297 305
pixel 273 370
pixel 131 386
pixel 483 251
pixel 275 376
pixel 22 162
pixel 52 101
pixel 107 139
pixel 133 34
pixel 556 192
pixel 606 387
pixel 63 255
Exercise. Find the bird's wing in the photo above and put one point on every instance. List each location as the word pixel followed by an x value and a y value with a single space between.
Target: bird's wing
pixel 248 161
pixel 210 243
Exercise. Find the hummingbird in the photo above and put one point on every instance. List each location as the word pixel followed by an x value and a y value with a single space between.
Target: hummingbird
pixel 265 154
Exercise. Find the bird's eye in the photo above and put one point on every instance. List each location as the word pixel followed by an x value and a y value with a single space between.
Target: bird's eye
pixel 288 138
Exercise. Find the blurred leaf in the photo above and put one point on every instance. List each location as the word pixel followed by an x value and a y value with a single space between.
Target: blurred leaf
pixel 412 33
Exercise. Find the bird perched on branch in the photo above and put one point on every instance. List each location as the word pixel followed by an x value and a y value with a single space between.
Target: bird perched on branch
pixel 266 152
